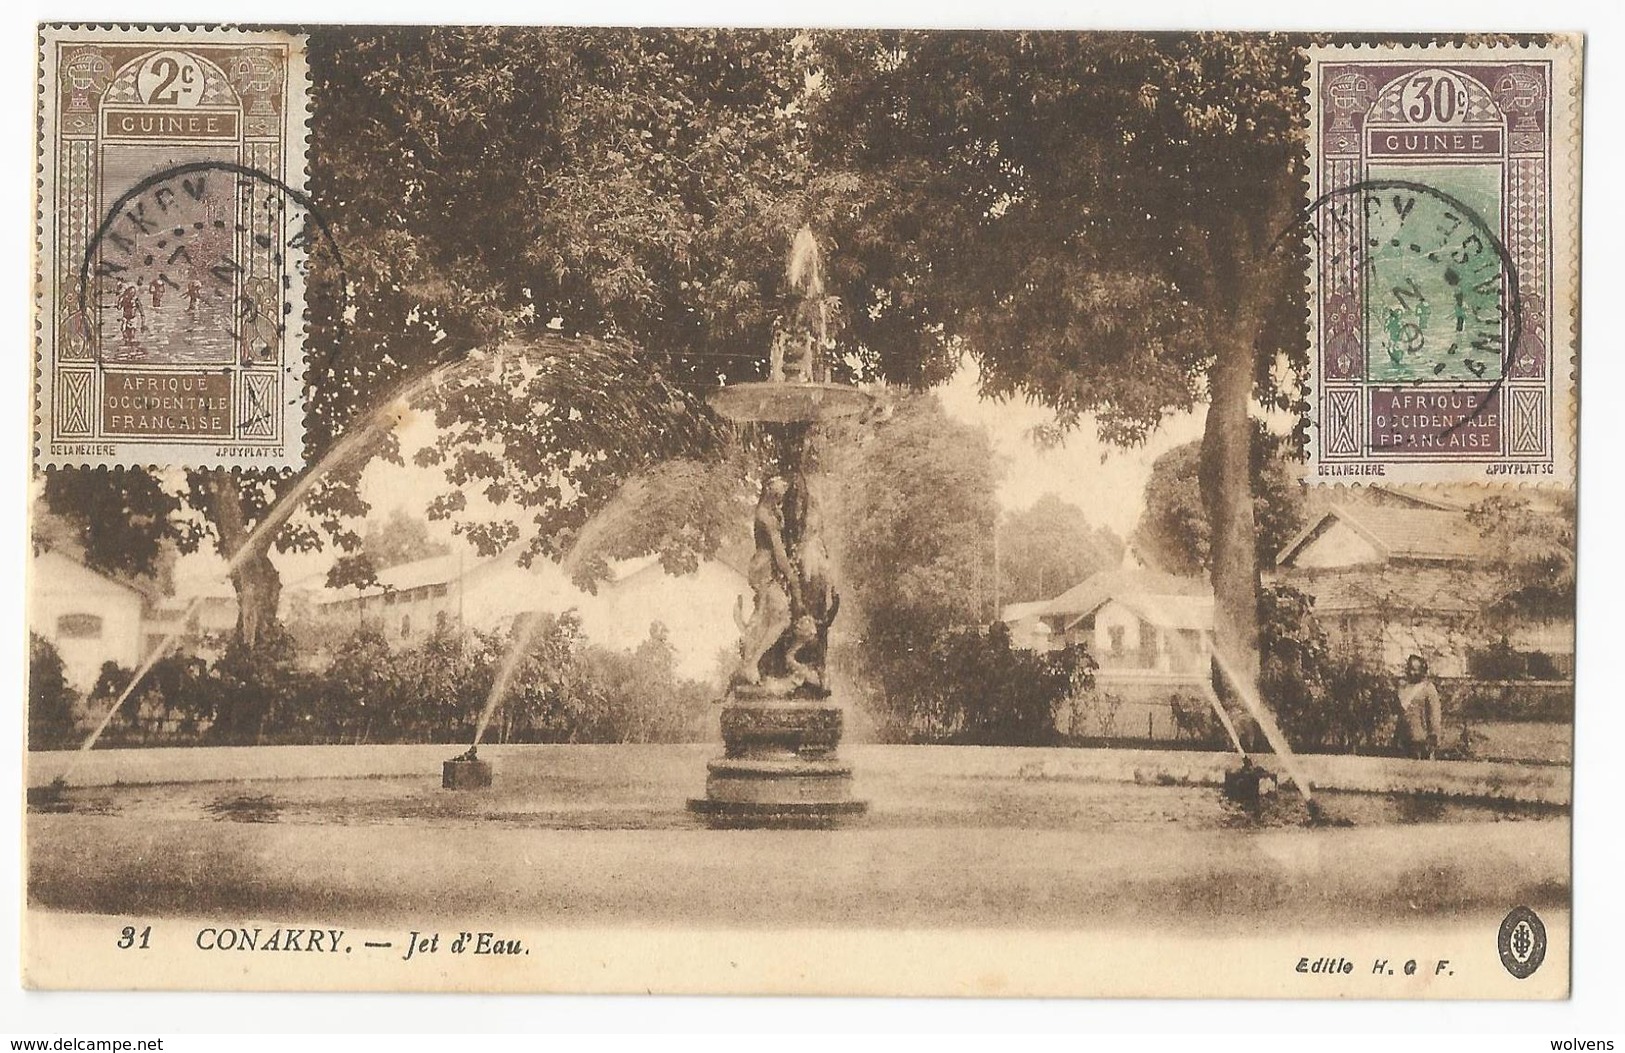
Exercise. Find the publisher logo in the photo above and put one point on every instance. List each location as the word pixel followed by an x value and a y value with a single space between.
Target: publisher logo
pixel 1522 941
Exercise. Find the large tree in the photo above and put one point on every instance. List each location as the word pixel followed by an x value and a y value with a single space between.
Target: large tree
pixel 912 501
pixel 1050 547
pixel 1174 533
pixel 557 190
pixel 615 203
pixel 117 520
pixel 1095 217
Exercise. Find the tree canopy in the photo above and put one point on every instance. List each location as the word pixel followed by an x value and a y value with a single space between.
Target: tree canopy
pixel 1174 534
pixel 1092 216
pixel 1049 547
pixel 401 538
pixel 913 498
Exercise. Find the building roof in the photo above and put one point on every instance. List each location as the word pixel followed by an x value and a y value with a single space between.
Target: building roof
pixel 435 570
pixel 1164 600
pixel 68 565
pixel 1167 612
pixel 1015 612
pixel 1427 534
pixel 1088 594
pixel 1434 588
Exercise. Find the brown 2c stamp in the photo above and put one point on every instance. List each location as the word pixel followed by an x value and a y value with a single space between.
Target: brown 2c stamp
pixel 174 241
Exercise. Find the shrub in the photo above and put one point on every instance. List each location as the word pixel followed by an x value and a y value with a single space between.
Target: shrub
pixel 51 700
pixel 1511 701
pixel 358 700
pixel 640 696
pixel 1498 661
pixel 1322 701
pixel 1194 720
pixel 261 691
pixel 972 687
pixel 1363 703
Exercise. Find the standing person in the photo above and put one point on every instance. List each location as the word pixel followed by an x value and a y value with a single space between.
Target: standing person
pixel 156 288
pixel 194 292
pixel 1421 713
pixel 130 314
pixel 1396 329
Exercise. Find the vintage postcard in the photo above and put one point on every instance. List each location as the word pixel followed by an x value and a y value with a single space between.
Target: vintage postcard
pixel 173 242
pixel 817 512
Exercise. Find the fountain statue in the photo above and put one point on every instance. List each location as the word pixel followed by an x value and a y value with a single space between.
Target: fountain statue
pixel 780 730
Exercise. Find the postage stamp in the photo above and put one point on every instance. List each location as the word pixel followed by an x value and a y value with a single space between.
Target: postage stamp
pixel 1442 229
pixel 173 238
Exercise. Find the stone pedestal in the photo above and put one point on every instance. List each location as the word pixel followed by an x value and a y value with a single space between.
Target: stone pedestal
pixel 778 768
pixel 465 773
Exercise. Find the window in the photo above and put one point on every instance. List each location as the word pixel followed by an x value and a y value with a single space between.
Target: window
pixel 1116 633
pixel 440 621
pixel 79 626
pixel 406 625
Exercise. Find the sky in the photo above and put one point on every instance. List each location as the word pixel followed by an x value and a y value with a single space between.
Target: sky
pixel 1106 481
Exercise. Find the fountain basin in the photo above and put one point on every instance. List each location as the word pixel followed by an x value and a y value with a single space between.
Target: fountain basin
pixel 597 835
pixel 805 729
pixel 778 768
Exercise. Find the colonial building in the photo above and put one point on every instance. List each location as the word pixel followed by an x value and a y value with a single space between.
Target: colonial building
pixel 1131 619
pixel 1390 580
pixel 1151 635
pixel 90 618
pixel 414 600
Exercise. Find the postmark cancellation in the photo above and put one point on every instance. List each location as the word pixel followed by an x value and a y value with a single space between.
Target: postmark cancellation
pixel 1443 240
pixel 173 243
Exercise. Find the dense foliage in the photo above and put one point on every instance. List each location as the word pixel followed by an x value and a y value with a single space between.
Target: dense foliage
pixel 971 687
pixel 50 699
pixel 564 690
pixel 1174 534
pixel 912 502
pixel 1323 700
pixel 1049 547
pixel 1092 216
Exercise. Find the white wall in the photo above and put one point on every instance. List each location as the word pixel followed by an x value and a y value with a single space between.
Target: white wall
pixel 1337 546
pixel 1113 615
pixel 63 591
pixel 697 610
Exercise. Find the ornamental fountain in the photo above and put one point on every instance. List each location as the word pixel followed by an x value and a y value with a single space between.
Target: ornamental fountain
pixel 780 728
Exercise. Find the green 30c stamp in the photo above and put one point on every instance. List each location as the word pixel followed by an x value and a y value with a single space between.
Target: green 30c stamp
pixel 1443 247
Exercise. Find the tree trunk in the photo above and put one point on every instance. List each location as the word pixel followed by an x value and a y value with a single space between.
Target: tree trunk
pixel 1227 494
pixel 253 575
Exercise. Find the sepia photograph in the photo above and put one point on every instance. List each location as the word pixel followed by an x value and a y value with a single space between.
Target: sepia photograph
pixel 849 512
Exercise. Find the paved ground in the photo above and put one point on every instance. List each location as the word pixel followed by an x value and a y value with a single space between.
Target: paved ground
pixel 959 837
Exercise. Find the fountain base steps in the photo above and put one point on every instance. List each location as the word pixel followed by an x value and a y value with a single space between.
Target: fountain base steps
pixel 778 768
